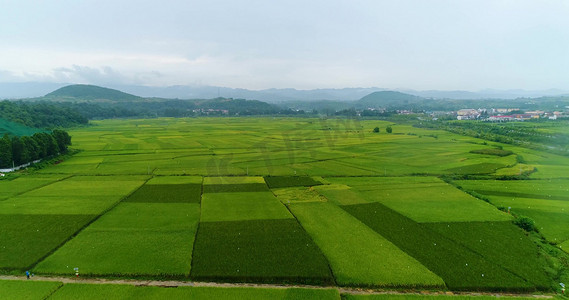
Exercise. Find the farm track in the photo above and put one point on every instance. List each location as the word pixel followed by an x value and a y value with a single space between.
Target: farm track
pixel 343 290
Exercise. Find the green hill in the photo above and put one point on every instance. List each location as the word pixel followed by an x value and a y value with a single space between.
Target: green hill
pixel 90 92
pixel 11 128
pixel 388 99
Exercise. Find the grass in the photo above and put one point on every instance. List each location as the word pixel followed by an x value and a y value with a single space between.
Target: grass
pixel 358 255
pixel 565 246
pixel 258 251
pixel 144 239
pixel 27 238
pixel 290 181
pixel 242 206
pixel 17 289
pixel 458 266
pixel 108 291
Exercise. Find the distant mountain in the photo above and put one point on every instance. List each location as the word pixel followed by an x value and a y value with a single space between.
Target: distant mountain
pixel 90 92
pixel 267 95
pixel 37 89
pixel 387 99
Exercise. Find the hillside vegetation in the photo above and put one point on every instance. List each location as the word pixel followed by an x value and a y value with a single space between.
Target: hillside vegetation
pixel 40 114
pixel 90 92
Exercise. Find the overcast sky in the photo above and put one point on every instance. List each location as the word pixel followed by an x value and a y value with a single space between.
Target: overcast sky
pixel 416 44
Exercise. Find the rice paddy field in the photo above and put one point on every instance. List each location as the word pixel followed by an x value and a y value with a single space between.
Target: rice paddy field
pixel 282 201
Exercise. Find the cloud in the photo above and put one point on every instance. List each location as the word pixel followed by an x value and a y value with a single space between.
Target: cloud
pixel 84 74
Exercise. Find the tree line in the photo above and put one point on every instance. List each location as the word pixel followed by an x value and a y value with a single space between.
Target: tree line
pixel 15 150
pixel 41 114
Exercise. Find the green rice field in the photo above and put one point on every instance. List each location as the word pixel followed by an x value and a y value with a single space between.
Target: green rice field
pixel 286 201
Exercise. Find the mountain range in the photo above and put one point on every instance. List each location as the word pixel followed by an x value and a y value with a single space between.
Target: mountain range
pixel 38 89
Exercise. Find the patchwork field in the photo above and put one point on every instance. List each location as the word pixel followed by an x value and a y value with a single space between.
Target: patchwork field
pixel 254 236
pixel 285 201
pixel 134 239
pixel 423 199
pixel 277 147
pixel 358 255
pixel 37 221
pixel 545 201
pixel 459 266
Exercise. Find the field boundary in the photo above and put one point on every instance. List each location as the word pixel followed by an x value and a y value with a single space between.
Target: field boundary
pixel 342 290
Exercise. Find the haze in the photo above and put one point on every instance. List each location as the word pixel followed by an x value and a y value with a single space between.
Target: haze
pixel 445 45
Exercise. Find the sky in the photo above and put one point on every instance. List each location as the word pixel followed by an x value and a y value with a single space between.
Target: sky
pixel 399 44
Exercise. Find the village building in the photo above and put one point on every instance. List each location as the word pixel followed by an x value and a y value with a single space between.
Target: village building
pixel 467 114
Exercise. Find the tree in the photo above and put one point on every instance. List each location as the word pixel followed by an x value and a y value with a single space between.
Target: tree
pixel 62 138
pixel 19 151
pixel 5 152
pixel 376 130
pixel 32 148
pixel 388 129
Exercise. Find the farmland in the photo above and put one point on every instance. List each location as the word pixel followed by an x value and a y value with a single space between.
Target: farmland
pixel 286 201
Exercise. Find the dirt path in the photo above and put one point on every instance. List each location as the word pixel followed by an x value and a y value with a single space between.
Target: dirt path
pixel 343 290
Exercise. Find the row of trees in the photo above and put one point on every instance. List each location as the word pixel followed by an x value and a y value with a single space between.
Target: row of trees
pixel 15 150
pixel 41 114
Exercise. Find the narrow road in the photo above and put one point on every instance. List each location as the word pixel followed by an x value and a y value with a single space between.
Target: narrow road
pixel 343 290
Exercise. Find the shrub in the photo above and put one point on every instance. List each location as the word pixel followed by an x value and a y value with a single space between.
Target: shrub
pixel 496 152
pixel 525 223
